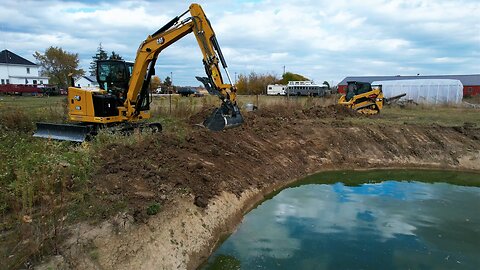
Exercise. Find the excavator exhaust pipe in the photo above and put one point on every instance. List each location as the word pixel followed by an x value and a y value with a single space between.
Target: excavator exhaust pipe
pixel 63 132
pixel 224 117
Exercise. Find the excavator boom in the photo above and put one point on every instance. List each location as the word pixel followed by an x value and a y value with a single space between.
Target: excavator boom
pixel 124 96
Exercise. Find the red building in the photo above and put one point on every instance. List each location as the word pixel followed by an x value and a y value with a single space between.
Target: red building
pixel 471 83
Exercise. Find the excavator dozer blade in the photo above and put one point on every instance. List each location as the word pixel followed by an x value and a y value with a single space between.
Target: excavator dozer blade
pixel 218 121
pixel 62 132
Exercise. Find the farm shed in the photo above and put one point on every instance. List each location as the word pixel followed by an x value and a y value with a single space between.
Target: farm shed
pixel 426 91
pixel 471 83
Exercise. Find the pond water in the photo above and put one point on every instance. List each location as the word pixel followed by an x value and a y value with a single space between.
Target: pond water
pixel 361 220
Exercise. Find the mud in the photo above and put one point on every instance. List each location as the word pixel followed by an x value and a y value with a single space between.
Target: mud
pixel 205 181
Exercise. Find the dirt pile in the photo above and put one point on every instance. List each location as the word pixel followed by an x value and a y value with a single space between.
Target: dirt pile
pixel 335 111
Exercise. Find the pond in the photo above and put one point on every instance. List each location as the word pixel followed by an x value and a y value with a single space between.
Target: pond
pixel 361 220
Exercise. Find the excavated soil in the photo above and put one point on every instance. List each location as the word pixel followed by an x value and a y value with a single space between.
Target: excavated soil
pixel 206 163
pixel 273 147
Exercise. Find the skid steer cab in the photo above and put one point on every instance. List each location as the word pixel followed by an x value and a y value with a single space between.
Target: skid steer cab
pixel 363 97
pixel 122 102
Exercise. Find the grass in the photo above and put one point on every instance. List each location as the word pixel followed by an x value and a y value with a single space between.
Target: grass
pixel 45 185
pixel 448 116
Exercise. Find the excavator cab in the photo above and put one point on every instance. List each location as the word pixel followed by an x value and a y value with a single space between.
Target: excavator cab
pixel 113 76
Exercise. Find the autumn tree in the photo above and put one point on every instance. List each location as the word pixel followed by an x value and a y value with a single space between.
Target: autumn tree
pixel 253 83
pixel 289 76
pixel 100 55
pixel 57 64
pixel 155 83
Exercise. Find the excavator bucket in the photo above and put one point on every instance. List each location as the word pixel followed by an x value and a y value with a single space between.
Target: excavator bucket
pixel 224 118
pixel 63 132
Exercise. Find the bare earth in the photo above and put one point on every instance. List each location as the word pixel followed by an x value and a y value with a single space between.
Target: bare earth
pixel 206 181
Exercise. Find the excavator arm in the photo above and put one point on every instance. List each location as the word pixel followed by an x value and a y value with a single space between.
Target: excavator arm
pixel 228 115
pixel 123 97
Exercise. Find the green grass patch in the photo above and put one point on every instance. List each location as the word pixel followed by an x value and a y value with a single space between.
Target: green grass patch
pixel 424 115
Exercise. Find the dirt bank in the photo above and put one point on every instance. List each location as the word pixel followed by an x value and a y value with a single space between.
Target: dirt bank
pixel 205 181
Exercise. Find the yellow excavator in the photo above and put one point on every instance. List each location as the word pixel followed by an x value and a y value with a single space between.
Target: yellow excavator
pixel 123 100
pixel 362 97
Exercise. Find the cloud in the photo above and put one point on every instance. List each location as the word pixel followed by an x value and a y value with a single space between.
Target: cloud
pixel 324 40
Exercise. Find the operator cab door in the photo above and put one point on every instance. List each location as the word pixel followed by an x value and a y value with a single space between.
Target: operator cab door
pixel 113 76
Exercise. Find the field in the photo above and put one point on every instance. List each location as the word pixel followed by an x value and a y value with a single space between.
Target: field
pixel 47 186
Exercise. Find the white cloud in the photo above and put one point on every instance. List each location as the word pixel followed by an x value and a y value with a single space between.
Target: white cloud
pixel 325 40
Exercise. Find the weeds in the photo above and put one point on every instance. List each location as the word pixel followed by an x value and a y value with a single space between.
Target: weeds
pixel 153 209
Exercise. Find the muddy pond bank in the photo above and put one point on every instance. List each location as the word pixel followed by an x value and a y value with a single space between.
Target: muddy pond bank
pixel 206 181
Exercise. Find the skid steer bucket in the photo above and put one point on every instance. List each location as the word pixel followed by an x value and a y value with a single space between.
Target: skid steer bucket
pixel 224 118
pixel 63 132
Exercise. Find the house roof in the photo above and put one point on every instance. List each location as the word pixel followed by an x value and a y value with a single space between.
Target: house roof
pixel 91 78
pixel 473 79
pixel 8 57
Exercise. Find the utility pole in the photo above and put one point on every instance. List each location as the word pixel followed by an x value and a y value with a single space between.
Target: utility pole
pixel 283 69
pixel 171 92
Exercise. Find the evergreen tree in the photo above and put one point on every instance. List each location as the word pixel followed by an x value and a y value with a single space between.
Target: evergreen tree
pixel 115 56
pixel 100 55
pixel 326 84
pixel 167 82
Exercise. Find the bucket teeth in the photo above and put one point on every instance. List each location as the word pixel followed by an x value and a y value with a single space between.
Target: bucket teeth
pixel 63 132
pixel 218 120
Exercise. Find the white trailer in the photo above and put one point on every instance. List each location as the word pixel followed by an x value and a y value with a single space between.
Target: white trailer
pixel 276 90
pixel 426 91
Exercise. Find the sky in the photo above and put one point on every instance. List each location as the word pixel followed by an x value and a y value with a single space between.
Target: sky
pixel 322 40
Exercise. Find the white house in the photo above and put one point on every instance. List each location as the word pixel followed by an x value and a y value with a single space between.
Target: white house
pixel 87 82
pixel 15 69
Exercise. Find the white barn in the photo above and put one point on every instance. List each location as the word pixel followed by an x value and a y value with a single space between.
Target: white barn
pixel 15 69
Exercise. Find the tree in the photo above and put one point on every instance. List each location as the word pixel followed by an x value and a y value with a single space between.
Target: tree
pixel 155 83
pixel 167 82
pixel 57 64
pixel 326 84
pixel 115 56
pixel 100 55
pixel 254 83
pixel 288 76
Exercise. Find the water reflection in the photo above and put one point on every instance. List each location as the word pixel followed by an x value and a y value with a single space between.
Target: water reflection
pixel 384 225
